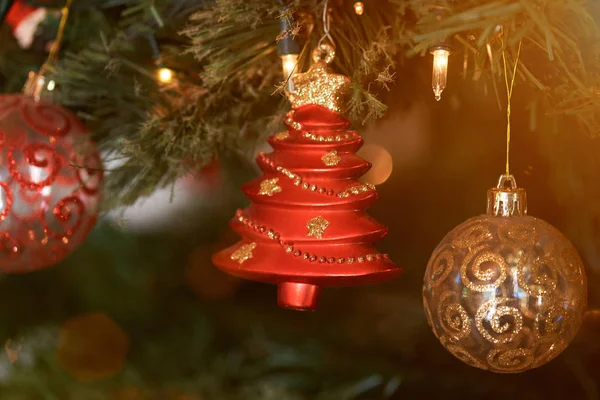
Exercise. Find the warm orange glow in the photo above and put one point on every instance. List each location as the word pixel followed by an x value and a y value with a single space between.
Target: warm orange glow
pixel 165 75
pixel 359 8
pixel 382 164
pixel 92 347
pixel 440 72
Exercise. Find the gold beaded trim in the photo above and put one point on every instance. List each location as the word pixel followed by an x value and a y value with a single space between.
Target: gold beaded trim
pixel 354 190
pixel 320 138
pixel 290 249
pixel 281 136
pixel 289 121
pixel 298 181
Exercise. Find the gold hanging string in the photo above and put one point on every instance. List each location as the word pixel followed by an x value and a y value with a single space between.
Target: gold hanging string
pixel 509 90
pixel 53 56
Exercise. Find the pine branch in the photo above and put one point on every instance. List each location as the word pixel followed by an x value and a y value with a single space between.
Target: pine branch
pixel 224 54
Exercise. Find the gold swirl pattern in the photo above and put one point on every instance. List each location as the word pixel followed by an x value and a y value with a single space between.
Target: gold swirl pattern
pixel 519 234
pixel 453 317
pixel 533 279
pixel 462 354
pixel 505 294
pixel 472 233
pixel 550 323
pixel 476 268
pixel 441 265
pixel 512 360
pixel 494 313
pixel 570 266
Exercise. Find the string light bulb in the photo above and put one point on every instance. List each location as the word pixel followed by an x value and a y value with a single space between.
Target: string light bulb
pixel 165 75
pixel 439 74
pixel 289 63
pixel 359 7
pixel 288 47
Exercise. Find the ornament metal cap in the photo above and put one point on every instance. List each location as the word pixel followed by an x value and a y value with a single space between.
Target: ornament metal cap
pixel 35 85
pixel 507 199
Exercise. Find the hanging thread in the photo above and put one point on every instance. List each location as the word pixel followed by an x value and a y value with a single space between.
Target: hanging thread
pixel 509 90
pixel 53 56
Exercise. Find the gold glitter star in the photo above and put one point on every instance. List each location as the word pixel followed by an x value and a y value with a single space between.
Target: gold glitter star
pixel 269 187
pixel 243 253
pixel 321 87
pixel 281 136
pixel 316 227
pixel 331 159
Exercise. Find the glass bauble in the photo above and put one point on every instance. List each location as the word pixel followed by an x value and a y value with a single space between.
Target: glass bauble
pixel 505 291
pixel 50 178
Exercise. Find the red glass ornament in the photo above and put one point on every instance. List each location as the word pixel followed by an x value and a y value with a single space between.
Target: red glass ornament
pixel 307 227
pixel 48 201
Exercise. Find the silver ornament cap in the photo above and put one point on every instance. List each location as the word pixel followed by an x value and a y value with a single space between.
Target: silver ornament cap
pixel 507 199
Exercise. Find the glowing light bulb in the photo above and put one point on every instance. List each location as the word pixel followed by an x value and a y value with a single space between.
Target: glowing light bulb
pixel 165 75
pixel 359 8
pixel 51 85
pixel 289 63
pixel 440 71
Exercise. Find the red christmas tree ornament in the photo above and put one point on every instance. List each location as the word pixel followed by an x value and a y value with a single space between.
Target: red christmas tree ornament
pixel 48 200
pixel 307 227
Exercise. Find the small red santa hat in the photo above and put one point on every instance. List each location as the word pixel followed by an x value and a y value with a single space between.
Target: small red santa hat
pixel 24 20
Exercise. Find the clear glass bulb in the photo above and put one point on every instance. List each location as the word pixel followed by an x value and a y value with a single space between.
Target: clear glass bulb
pixel 440 72
pixel 165 75
pixel 359 8
pixel 289 63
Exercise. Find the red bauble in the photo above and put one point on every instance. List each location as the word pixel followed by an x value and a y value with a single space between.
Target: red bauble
pixel 307 227
pixel 48 202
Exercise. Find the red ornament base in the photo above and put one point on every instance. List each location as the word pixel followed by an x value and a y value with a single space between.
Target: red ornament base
pixel 307 227
pixel 48 201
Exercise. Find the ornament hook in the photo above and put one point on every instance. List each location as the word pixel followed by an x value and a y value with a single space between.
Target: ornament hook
pixel 325 49
pixel 326 26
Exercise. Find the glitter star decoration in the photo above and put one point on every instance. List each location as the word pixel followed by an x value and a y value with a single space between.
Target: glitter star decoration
pixel 320 87
pixel 243 253
pixel 331 159
pixel 269 187
pixel 281 136
pixel 316 227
